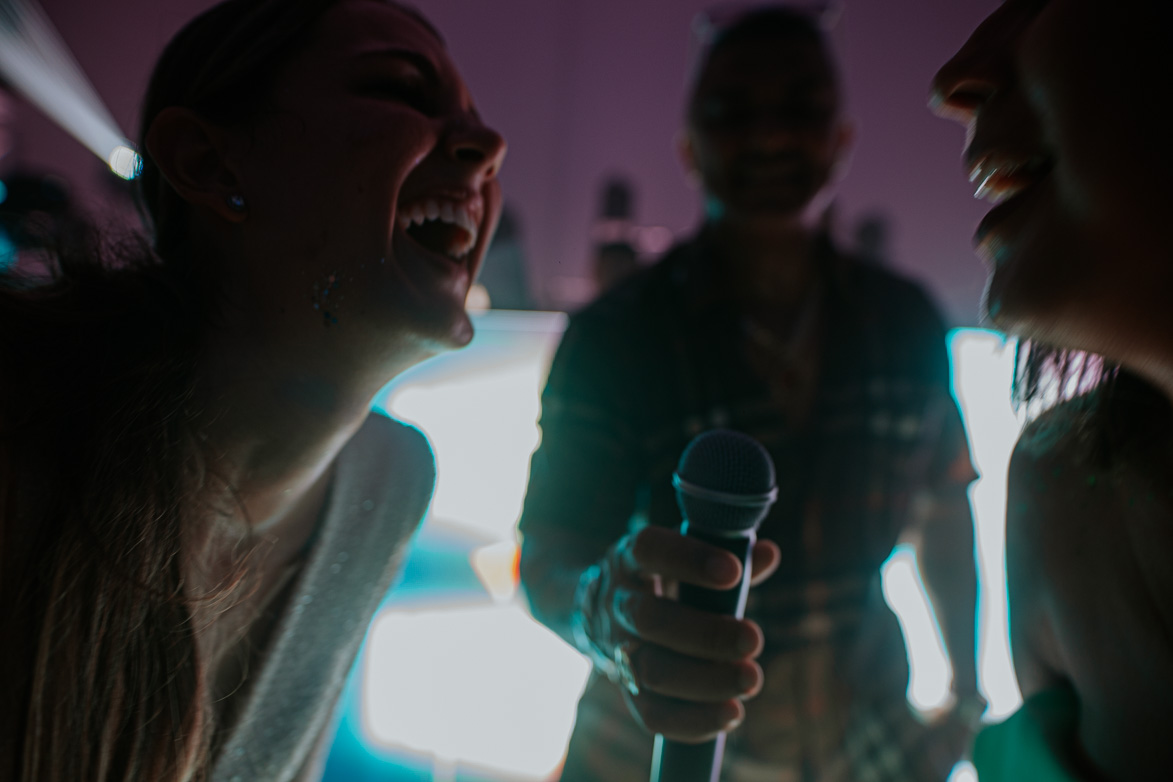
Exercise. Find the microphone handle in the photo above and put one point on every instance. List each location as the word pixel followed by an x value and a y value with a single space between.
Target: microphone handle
pixel 677 761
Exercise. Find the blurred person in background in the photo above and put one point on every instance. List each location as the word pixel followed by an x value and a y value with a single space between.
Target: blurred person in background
pixel 760 324
pixel 198 512
pixel 1068 135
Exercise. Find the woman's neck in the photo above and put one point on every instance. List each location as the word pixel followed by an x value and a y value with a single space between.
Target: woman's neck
pixel 273 420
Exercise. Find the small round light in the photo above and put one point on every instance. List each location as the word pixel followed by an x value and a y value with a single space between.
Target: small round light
pixel 125 162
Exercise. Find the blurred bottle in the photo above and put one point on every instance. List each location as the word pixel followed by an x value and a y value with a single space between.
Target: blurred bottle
pixel 614 253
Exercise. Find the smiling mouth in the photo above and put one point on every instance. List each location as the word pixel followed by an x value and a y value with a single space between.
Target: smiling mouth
pixel 445 226
pixel 1000 179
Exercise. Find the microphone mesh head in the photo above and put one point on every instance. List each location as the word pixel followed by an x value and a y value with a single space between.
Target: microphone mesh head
pixel 730 463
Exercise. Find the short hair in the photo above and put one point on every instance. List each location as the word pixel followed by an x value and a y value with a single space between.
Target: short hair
pixel 727 27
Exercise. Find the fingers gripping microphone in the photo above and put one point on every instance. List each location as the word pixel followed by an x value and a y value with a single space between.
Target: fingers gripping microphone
pixel 724 486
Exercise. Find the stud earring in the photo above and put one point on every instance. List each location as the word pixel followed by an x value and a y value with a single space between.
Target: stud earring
pixel 236 202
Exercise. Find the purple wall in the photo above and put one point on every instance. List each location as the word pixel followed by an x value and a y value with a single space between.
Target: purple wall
pixel 585 88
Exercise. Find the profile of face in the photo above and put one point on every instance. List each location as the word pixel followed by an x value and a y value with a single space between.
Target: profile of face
pixel 764 133
pixel 1068 137
pixel 369 183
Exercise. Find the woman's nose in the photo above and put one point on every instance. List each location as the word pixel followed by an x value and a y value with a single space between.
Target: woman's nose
pixel 982 67
pixel 474 143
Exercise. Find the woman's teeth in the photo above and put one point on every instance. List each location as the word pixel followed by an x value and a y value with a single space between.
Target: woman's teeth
pixel 457 214
pixel 1004 179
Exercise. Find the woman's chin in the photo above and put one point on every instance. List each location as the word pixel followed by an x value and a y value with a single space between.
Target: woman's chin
pixel 1014 296
pixel 1006 313
pixel 461 331
pixel 445 328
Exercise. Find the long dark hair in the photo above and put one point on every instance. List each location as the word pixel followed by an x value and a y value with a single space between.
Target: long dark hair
pixel 100 464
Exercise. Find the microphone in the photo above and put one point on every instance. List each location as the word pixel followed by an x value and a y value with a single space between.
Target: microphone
pixel 724 486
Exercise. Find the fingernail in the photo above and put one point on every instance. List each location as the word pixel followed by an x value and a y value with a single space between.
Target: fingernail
pixel 721 569
pixel 749 679
pixel 747 643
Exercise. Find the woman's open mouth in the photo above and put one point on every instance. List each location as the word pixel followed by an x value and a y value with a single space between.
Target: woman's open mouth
pixel 1000 179
pixel 1006 182
pixel 444 226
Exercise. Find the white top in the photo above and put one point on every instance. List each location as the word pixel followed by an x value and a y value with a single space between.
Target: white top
pixel 382 485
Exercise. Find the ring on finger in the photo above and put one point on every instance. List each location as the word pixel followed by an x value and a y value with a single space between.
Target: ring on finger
pixel 624 670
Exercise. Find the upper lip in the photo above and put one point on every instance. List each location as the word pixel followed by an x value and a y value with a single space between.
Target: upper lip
pixel 460 207
pixel 1000 174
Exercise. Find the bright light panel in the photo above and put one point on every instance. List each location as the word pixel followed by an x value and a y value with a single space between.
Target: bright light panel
pixel 479 408
pixel 983 369
pixel 930 674
pixel 484 686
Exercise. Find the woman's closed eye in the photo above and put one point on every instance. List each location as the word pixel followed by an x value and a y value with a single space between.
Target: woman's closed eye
pixel 412 92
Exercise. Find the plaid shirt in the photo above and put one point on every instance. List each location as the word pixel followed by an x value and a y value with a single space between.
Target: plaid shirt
pixel 667 356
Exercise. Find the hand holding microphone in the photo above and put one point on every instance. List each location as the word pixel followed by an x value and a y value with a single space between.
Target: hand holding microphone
pixel 724 486
pixel 685 668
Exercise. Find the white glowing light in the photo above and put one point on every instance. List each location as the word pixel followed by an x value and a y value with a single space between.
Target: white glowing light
pixel 983 366
pixel 963 772
pixel 124 162
pixel 931 675
pixel 479 408
pixel 36 62
pixel 485 686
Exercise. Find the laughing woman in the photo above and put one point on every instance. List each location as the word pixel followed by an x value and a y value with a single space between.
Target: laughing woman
pixel 198 513
pixel 1069 135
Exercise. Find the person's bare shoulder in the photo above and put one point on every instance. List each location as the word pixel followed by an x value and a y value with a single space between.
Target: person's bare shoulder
pixel 1043 470
pixel 1088 541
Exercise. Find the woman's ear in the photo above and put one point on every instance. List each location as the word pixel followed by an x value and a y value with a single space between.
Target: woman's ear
pixel 192 155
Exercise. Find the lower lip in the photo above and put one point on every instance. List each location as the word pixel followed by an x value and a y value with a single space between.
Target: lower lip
pixel 445 262
pixel 997 218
